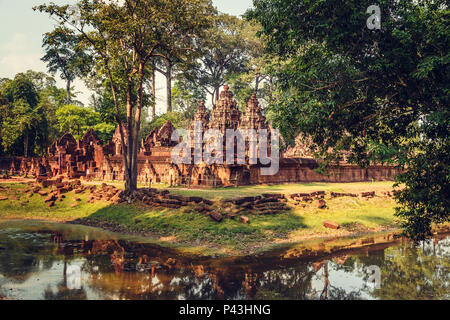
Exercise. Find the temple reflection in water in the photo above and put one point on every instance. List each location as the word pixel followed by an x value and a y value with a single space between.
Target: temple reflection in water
pixel 116 269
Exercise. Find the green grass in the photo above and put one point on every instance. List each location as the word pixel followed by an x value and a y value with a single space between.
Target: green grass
pixel 356 215
pixel 284 188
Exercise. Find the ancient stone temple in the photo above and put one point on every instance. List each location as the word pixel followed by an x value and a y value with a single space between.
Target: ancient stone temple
pixel 90 159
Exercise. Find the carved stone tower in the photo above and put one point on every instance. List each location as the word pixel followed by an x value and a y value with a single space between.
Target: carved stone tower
pixel 226 114
pixel 253 117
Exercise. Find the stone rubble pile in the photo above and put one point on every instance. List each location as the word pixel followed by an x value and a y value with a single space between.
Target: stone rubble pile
pixel 301 198
pixel 269 203
pixel 104 192
pixel 53 190
pixel 337 194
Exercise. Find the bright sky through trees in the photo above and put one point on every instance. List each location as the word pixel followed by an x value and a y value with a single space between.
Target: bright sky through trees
pixel 21 31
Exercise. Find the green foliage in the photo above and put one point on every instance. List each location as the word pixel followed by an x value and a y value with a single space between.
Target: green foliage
pixel 242 87
pixel 78 120
pixel 224 50
pixel 64 53
pixel 29 129
pixel 23 127
pixel 21 88
pixel 104 131
pixel 410 273
pixel 379 94
pixel 178 120
pixel 427 197
pixel 186 97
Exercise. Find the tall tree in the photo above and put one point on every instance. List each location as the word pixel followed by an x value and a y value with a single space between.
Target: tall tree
pixel 76 119
pixel 256 77
pixel 178 54
pixel 64 54
pixel 50 99
pixel 187 97
pixel 166 68
pixel 23 120
pixel 224 51
pixel 381 94
pixel 124 36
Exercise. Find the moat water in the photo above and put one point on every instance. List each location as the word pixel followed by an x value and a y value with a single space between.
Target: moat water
pixel 42 260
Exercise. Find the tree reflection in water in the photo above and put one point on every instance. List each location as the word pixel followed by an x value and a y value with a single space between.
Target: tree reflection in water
pixel 116 269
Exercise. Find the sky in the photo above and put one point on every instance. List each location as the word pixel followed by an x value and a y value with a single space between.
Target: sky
pixel 21 31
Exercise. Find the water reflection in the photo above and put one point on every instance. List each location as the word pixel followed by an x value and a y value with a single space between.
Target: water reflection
pixel 61 263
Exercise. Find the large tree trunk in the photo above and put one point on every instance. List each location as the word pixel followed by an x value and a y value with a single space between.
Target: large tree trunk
pixel 25 144
pixel 153 92
pixel 68 96
pixel 271 86
pixel 215 96
pixel 126 164
pixel 324 294
pixel 130 184
pixel 169 85
pixel 136 129
pixel 257 84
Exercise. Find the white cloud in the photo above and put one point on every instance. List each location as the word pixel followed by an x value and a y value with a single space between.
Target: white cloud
pixel 16 56
pixel 19 54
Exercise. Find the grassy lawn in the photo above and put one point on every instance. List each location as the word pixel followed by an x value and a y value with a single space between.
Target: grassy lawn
pixel 355 215
pixel 285 188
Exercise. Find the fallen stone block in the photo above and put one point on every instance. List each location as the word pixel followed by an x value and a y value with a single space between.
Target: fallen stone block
pixel 239 201
pixel 321 204
pixel 170 206
pixel 195 199
pixel 273 195
pixel 246 204
pixel 64 190
pixel 244 219
pixel 331 225
pixel 47 183
pixel 39 179
pixel 266 200
pixel 164 192
pixel 231 216
pixel 368 194
pixel 216 215
pixel 50 198
pixel 208 202
pixel 236 211
pixel 170 201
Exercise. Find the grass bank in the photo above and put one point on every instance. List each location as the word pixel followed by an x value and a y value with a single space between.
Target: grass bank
pixel 184 227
